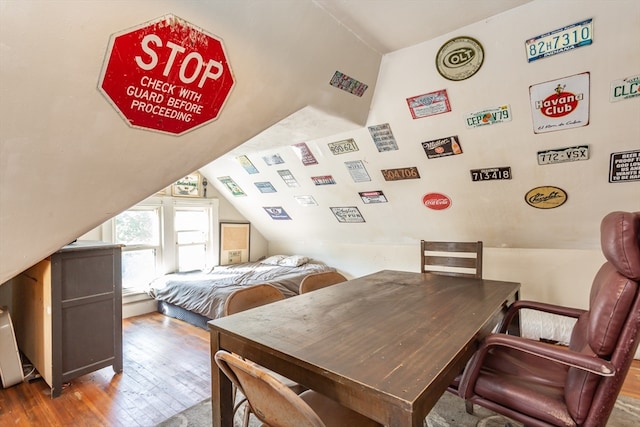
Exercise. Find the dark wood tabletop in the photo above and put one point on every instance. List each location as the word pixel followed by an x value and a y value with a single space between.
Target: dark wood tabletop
pixel 386 345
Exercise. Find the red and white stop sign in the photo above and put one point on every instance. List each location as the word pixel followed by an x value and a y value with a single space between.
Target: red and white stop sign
pixel 167 75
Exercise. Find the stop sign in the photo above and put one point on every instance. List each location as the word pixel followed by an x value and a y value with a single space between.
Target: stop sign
pixel 166 75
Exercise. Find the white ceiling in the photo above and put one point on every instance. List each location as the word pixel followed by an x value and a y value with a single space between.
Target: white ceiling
pixel 390 25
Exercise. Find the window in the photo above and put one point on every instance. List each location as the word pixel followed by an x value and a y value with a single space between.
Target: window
pixel 163 235
pixel 139 230
pixel 192 228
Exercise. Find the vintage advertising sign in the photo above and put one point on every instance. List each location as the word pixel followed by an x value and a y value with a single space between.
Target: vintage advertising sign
pixel 288 178
pixel 246 164
pixel 276 212
pixel 625 89
pixel 489 174
pixel 347 214
pixel 358 171
pixel 323 180
pixel 400 173
pixel 304 154
pixel 561 40
pixel 373 197
pixel 560 104
pixel 166 75
pixel 265 187
pixel 459 58
pixel 561 155
pixel 273 159
pixel 383 137
pixel 306 200
pixel 342 147
pixel 232 186
pixel 348 84
pixel 436 201
pixel 442 147
pixel 546 197
pixel 429 104
pixel 488 116
pixel 625 166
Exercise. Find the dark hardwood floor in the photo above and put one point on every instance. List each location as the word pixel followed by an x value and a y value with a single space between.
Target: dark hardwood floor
pixel 166 370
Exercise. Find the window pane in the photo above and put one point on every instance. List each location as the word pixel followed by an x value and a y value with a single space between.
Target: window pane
pixel 192 220
pixel 138 227
pixel 138 268
pixel 186 237
pixel 192 257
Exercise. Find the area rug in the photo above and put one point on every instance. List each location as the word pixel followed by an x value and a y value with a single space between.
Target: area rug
pixel 448 412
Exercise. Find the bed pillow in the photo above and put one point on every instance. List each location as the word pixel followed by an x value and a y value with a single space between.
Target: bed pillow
pixel 273 260
pixel 293 261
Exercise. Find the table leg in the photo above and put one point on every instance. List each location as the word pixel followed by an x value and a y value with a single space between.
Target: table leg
pixel 221 396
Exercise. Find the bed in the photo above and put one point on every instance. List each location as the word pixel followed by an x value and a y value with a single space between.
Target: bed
pixel 199 296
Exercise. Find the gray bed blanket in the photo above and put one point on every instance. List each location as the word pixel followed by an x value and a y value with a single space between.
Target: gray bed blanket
pixel 204 292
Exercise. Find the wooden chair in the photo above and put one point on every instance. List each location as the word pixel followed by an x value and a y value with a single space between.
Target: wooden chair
pixel 276 405
pixel 463 259
pixel 316 281
pixel 251 297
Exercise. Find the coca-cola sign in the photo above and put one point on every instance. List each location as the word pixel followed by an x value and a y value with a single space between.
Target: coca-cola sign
pixel 436 201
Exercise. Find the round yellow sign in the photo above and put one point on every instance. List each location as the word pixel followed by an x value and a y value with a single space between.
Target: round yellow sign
pixel 546 197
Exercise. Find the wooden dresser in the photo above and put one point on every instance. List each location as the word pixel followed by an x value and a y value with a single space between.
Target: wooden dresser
pixel 67 312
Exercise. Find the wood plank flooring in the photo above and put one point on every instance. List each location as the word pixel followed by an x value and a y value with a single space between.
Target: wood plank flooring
pixel 166 370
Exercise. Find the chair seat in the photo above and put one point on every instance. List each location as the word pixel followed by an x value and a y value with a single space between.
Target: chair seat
pixel 332 413
pixel 525 384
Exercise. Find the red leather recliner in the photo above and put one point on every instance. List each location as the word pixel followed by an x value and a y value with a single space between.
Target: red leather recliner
pixel 540 384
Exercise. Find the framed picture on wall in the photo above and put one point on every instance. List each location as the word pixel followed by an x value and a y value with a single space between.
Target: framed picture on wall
pixel 234 242
pixel 189 186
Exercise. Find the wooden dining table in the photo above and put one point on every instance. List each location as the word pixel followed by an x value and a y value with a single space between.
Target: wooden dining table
pixel 386 345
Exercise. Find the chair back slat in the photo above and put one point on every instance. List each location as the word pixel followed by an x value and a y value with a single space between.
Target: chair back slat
pixel 463 259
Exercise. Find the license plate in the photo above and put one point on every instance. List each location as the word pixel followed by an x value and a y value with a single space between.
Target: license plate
pixel 489 174
pixel 569 154
pixel 400 173
pixel 341 147
pixel 560 40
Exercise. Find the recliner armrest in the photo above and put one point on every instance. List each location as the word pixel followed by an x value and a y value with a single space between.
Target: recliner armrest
pixel 559 310
pixel 557 354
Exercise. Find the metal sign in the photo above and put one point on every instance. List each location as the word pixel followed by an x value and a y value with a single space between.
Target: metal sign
pixel 488 116
pixel 232 186
pixel 383 137
pixel 357 171
pixel 561 155
pixel 429 104
pixel 304 154
pixel 276 212
pixel 348 84
pixel 436 201
pixel 247 165
pixel 625 166
pixel 342 147
pixel 265 187
pixel 347 214
pixel 323 180
pixel 273 159
pixel 459 58
pixel 490 174
pixel 442 147
pixel 373 197
pixel 625 89
pixel 546 197
pixel 306 200
pixel 560 104
pixel 400 173
pixel 166 75
pixel 288 178
pixel 561 40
